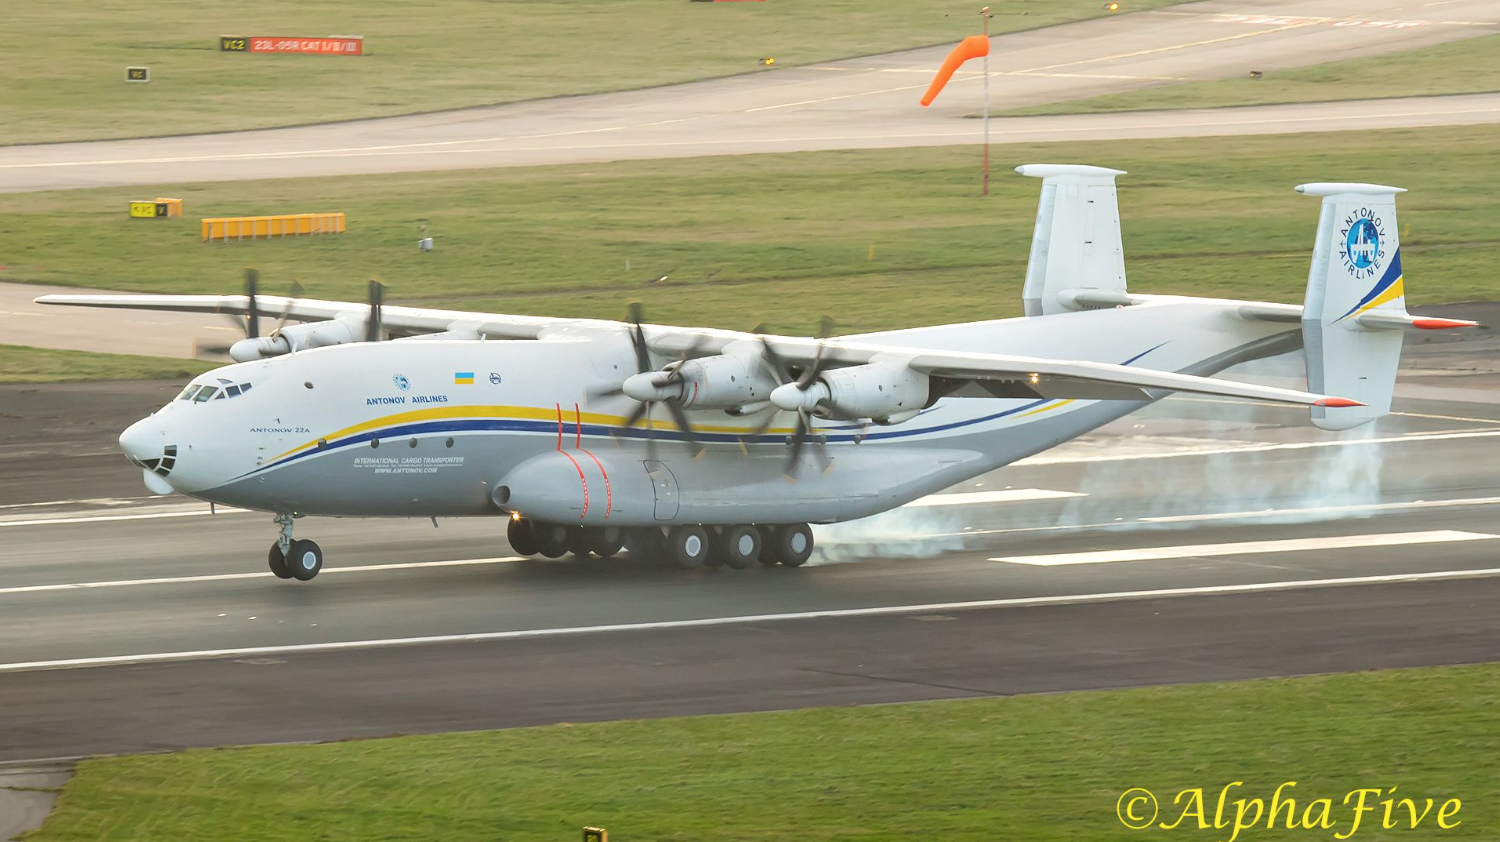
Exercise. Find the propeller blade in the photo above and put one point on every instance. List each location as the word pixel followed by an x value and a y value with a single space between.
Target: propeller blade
pixel 825 326
pixel 774 360
pixel 799 436
pixel 680 416
pixel 638 338
pixel 373 324
pixel 640 411
pixel 810 376
pixel 292 295
pixel 252 319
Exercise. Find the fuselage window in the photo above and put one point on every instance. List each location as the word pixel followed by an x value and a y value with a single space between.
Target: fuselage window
pixel 232 391
pixel 187 394
pixel 204 394
pixel 244 387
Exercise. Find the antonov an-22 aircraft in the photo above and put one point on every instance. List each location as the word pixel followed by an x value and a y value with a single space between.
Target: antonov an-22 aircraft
pixel 719 447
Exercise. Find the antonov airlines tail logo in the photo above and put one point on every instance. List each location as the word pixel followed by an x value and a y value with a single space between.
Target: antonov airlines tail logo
pixel 1364 244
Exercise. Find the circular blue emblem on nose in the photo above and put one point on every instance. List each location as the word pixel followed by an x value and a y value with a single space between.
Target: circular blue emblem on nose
pixel 401 382
pixel 1363 243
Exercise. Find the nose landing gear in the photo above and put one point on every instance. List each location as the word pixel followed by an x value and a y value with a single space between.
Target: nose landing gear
pixel 293 559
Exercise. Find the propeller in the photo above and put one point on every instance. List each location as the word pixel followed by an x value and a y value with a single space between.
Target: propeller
pixel 803 382
pixel 373 324
pixel 660 379
pixel 252 315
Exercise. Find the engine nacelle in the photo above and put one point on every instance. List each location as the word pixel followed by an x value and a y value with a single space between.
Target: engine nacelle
pixel 730 381
pixel 885 390
pixel 296 338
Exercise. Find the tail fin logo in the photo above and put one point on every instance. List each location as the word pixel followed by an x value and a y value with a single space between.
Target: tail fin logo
pixel 1364 239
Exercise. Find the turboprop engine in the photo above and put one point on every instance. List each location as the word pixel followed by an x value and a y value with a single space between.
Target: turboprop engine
pixel 885 390
pixel 297 338
pixel 737 380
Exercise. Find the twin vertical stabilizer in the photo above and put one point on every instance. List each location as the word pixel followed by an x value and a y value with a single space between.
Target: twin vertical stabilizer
pixel 1354 286
pixel 1076 245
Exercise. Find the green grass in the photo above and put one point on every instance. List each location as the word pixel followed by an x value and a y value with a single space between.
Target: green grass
pixel 1457 67
pixel 62 77
pixel 783 238
pixel 42 365
pixel 1024 768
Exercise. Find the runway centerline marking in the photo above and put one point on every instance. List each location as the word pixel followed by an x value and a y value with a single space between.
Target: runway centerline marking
pixel 227 577
pixel 746 619
pixel 1283 545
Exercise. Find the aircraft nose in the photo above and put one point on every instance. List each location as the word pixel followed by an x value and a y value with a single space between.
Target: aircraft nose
pixel 141 441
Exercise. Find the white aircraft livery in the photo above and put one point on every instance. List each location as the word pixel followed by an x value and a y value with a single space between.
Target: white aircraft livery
pixel 717 446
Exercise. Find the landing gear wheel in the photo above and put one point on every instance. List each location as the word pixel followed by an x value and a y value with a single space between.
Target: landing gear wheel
pixel 278 562
pixel 607 541
pixel 715 556
pixel 739 546
pixel 688 546
pixel 580 542
pixel 552 540
pixel 522 536
pixel 644 543
pixel 794 544
pixel 770 556
pixel 305 560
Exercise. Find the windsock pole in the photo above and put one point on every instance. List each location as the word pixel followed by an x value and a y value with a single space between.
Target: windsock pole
pixel 984 187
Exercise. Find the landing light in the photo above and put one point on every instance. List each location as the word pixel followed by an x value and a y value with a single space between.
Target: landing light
pixel 1035 379
pixel 1111 7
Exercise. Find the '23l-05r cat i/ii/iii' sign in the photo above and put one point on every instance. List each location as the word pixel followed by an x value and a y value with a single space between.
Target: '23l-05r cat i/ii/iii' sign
pixel 348 45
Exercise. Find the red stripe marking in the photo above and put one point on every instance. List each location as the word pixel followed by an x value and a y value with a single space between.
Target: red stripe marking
pixel 559 425
pixel 609 497
pixel 1441 324
pixel 581 479
pixel 1337 402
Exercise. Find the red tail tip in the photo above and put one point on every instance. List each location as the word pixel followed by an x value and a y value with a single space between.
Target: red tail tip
pixel 1441 324
pixel 1337 402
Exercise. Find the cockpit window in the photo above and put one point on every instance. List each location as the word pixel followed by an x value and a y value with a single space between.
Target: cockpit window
pixel 199 393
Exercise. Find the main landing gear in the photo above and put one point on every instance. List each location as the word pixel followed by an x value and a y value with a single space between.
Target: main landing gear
pixel 292 559
pixel 737 546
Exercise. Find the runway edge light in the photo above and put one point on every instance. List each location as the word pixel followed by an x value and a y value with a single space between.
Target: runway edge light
pixel 595 834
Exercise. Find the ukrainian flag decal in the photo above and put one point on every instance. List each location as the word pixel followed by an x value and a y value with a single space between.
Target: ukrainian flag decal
pixel 463 378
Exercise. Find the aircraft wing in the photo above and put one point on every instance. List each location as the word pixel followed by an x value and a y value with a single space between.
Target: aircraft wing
pixel 980 375
pixel 996 375
pixel 408 320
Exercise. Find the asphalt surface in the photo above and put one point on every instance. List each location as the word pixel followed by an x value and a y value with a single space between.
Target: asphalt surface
pixel 859 103
pixel 136 624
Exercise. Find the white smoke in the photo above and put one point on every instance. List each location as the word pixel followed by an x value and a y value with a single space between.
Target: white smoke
pixel 1339 478
pixel 908 532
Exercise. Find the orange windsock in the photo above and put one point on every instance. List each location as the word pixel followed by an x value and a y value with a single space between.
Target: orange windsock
pixel 973 46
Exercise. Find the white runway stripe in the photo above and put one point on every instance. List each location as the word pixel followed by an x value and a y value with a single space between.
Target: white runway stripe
pixel 523 634
pixel 1007 495
pixel 225 577
pixel 1287 545
pixel 60 521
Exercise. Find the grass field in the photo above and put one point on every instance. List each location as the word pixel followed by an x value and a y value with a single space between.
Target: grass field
pixel 1458 67
pixel 62 78
pixel 1024 768
pixel 41 365
pixel 783 238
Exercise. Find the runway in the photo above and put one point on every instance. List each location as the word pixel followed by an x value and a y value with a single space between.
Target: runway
pixel 867 102
pixel 130 625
